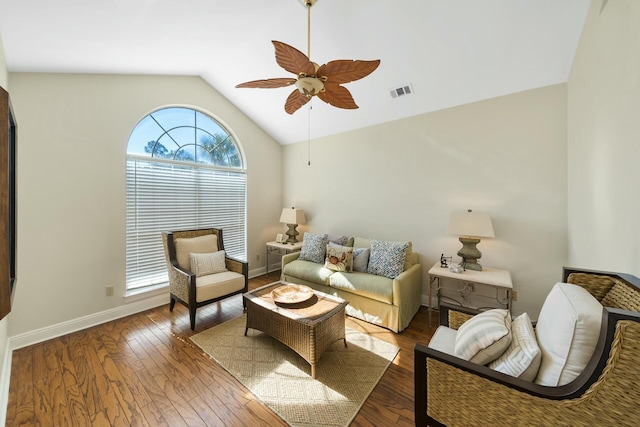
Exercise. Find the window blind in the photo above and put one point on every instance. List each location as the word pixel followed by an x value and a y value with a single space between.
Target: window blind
pixel 166 196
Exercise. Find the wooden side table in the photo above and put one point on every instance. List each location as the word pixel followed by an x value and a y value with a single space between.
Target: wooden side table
pixel 500 280
pixel 281 249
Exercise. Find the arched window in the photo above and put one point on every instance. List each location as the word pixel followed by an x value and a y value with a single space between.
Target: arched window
pixel 184 171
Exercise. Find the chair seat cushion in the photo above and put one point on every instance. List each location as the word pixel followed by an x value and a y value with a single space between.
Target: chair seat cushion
pixel 217 285
pixel 444 339
pixel 567 332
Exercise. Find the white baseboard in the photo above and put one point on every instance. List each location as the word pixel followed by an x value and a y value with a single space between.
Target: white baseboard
pixel 63 328
pixel 257 272
pixel 5 380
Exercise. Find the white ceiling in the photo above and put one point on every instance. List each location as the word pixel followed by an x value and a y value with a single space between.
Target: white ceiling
pixel 451 51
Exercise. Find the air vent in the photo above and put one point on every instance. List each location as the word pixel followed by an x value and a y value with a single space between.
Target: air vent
pixel 401 91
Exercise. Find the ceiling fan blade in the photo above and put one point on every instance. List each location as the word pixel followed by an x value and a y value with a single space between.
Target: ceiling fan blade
pixel 295 101
pixel 346 70
pixel 337 96
pixel 268 83
pixel 292 60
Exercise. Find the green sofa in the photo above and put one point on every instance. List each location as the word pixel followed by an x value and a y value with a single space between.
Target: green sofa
pixel 390 303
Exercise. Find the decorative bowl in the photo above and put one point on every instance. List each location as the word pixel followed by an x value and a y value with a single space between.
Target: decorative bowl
pixel 291 294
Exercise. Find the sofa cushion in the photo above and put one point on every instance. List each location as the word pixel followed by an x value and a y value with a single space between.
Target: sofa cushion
pixel 378 288
pixel 522 358
pixel 203 264
pixel 410 260
pixel 194 245
pixel 387 258
pixel 484 337
pixel 567 332
pixel 308 271
pixel 338 239
pixel 360 259
pixel 339 258
pixel 314 247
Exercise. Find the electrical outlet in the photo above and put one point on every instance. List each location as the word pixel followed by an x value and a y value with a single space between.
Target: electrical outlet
pixel 514 295
pixel 109 291
pixel 258 257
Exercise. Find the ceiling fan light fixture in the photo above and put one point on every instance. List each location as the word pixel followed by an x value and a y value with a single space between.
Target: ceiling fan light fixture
pixel 309 86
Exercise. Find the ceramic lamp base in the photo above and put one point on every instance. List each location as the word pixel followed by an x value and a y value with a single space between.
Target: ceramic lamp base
pixel 292 233
pixel 470 253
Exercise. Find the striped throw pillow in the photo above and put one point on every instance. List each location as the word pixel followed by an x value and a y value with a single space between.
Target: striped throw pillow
pixel 522 358
pixel 484 337
pixel 204 264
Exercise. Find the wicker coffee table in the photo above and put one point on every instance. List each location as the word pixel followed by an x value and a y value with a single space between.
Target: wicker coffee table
pixel 307 327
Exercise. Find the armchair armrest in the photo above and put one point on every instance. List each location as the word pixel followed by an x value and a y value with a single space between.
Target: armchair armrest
pixel 240 267
pixel 447 388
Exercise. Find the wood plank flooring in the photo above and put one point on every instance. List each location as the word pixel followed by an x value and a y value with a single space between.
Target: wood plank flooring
pixel 143 370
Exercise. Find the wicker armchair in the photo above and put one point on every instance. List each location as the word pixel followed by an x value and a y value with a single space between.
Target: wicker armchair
pixel 454 392
pixel 193 290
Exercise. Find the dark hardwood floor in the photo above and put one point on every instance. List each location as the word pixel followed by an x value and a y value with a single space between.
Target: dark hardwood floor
pixel 143 370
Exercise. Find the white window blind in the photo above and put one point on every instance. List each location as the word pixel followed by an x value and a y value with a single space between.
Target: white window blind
pixel 169 195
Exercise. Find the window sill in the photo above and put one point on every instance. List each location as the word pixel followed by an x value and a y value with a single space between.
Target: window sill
pixel 147 292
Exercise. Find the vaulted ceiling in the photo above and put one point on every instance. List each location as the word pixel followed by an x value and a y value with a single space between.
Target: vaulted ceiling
pixel 450 52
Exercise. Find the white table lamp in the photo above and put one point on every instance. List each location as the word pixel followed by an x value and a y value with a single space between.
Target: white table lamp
pixel 292 217
pixel 470 226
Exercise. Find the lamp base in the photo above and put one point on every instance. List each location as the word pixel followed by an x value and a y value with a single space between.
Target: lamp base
pixel 292 233
pixel 470 253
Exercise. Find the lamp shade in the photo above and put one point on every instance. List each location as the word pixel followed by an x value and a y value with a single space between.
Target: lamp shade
pixel 472 224
pixel 292 216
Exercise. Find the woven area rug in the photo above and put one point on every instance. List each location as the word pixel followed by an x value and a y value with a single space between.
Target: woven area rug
pixel 282 379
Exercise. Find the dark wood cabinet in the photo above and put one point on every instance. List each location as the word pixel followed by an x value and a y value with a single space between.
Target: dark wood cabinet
pixel 7 203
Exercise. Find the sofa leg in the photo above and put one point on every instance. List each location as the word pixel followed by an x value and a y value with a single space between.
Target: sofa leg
pixel 172 303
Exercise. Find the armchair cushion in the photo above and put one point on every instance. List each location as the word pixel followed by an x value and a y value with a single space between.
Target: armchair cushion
pixel 188 245
pixel 567 332
pixel 522 358
pixel 484 337
pixel 443 340
pixel 210 263
pixel 217 285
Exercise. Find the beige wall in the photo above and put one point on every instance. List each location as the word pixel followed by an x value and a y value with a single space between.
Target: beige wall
pixel 401 181
pixel 604 142
pixel 71 195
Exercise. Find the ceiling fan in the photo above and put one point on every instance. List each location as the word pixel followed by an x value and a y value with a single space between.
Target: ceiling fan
pixel 312 80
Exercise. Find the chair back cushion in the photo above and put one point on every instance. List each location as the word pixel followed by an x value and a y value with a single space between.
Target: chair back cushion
pixel 567 332
pixel 196 245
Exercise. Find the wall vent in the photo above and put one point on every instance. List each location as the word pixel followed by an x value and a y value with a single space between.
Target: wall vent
pixel 403 90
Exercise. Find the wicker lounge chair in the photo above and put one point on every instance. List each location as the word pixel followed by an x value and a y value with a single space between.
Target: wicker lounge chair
pixel 454 392
pixel 196 290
